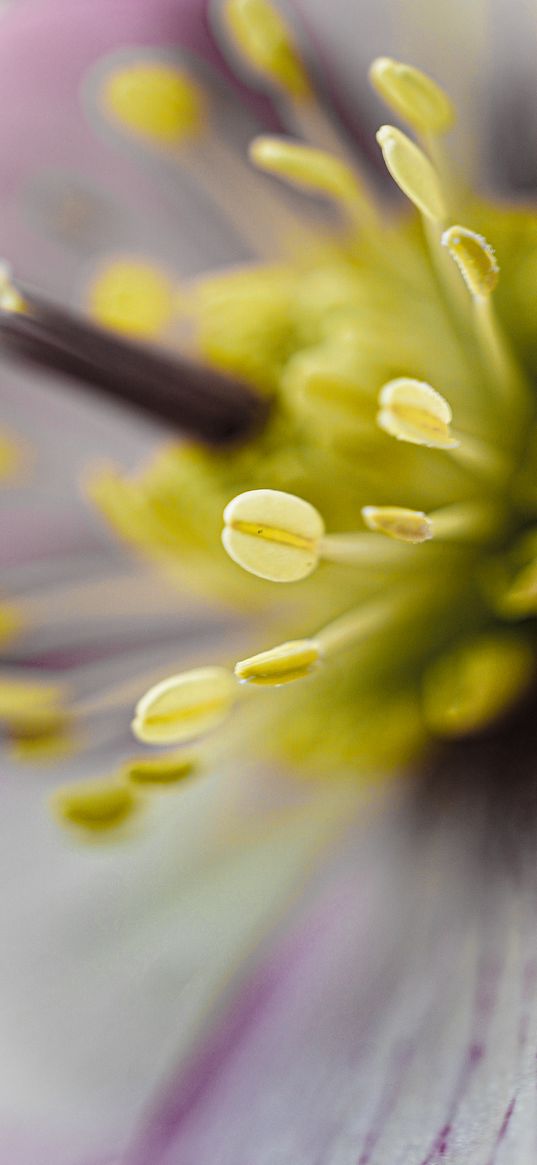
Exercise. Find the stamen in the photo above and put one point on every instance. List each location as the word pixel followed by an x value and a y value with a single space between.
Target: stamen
pixel 23 702
pixel 362 622
pixel 477 263
pixel 314 171
pixel 413 172
pixel 184 706
pixel 155 772
pixel 281 665
pixel 94 806
pixel 266 43
pixel 399 523
pixel 466 522
pixel 475 259
pixel 155 100
pixel 414 96
pixel 258 32
pixel 131 297
pixel 413 411
pixel 272 534
pixel 197 400
pixel 476 682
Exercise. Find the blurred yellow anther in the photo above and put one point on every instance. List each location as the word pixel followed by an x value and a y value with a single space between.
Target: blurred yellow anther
pixel 154 101
pixel 266 43
pixel 272 534
pixel 475 683
pixel 94 806
pixel 413 172
pixel 399 523
pixel 153 772
pixel 131 297
pixel 280 665
pixel 413 411
pixel 475 259
pixel 184 706
pixel 11 622
pixel 312 170
pixel 411 94
pixel 22 702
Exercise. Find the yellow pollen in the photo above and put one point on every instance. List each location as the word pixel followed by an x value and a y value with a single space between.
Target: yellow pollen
pixel 266 43
pixel 94 806
pixel 312 170
pixel 399 523
pixel 154 101
pixel 413 172
pixel 273 535
pixel 475 683
pixel 132 297
pixel 411 94
pixel 155 772
pixel 475 259
pixel 282 664
pixel 184 706
pixel 413 411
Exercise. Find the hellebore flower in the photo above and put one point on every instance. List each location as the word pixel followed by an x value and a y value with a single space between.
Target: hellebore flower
pixel 285 958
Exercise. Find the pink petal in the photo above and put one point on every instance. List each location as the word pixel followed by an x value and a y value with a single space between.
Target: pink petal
pixel 395 1024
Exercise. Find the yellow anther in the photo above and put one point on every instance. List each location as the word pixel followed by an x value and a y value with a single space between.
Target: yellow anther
pixel 155 772
pixel 475 259
pixel 184 706
pixel 266 43
pixel 413 411
pixel 411 94
pixel 272 534
pixel 22 701
pixel 11 622
pixel 131 297
pixel 413 172
pixel 475 683
pixel 94 806
pixel 280 665
pixel 154 100
pixel 399 523
pixel 312 170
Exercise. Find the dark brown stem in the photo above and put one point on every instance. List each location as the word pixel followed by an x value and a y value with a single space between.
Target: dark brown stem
pixel 196 400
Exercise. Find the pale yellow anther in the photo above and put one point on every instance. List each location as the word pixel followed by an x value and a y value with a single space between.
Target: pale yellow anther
pixel 475 259
pixel 413 172
pixel 266 43
pixel 411 94
pixel 184 706
pixel 131 296
pixel 280 665
pixel 154 100
pixel 411 410
pixel 153 772
pixel 272 534
pixel 312 170
pixel 399 523
pixel 95 805
pixel 475 683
